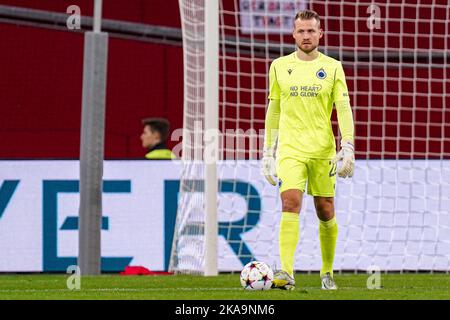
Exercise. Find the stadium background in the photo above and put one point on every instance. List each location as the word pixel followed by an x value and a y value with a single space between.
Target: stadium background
pixel 42 77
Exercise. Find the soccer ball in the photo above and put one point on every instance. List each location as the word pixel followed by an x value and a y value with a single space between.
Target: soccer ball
pixel 256 275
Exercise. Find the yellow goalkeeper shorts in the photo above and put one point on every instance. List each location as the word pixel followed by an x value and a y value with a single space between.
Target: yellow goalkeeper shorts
pixel 318 174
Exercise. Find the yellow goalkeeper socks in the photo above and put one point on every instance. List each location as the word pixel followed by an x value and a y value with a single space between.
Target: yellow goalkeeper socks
pixel 328 232
pixel 288 239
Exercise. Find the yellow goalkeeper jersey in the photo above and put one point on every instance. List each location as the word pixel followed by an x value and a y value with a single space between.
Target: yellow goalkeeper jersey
pixel 307 91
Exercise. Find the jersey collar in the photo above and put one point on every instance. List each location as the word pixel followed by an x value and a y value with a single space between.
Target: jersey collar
pixel 297 59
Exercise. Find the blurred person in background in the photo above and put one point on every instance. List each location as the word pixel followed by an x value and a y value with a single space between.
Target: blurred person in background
pixel 154 136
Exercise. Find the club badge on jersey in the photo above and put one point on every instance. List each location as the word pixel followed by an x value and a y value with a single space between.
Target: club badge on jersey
pixel 321 74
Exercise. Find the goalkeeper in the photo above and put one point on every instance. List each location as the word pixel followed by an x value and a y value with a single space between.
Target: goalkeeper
pixel 304 85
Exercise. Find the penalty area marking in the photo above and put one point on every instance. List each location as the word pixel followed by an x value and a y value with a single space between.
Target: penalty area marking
pixel 121 289
pixel 299 290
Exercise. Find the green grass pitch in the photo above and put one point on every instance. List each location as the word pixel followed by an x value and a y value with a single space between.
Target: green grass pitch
pixel 224 286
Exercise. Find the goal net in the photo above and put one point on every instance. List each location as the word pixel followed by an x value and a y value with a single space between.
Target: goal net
pixel 394 213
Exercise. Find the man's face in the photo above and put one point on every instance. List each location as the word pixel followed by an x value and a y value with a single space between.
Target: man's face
pixel 149 137
pixel 307 34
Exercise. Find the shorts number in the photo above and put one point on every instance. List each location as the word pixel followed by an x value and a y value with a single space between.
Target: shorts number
pixel 333 169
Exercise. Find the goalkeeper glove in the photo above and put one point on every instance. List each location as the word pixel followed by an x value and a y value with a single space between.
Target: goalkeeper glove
pixel 347 154
pixel 268 165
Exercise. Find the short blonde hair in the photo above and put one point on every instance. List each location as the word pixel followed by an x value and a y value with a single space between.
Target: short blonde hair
pixel 307 15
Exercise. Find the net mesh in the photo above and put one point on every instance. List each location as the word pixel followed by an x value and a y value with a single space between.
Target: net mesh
pixel 394 212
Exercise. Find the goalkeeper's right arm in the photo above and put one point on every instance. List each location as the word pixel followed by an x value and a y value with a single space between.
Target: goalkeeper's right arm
pixel 270 139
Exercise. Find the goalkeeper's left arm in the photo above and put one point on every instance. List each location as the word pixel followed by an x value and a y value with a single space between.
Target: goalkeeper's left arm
pixel 345 119
pixel 347 152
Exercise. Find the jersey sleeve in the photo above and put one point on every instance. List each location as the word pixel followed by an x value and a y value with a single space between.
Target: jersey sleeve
pixel 340 90
pixel 274 88
pixel 272 123
pixel 345 120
